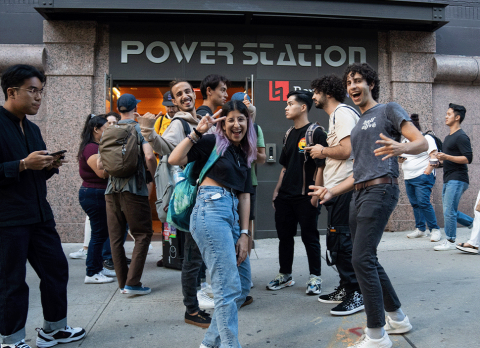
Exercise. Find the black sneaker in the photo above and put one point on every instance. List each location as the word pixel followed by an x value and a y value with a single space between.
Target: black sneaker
pixel 335 297
pixel 201 319
pixel 129 260
pixel 108 264
pixel 248 300
pixel 353 303
pixel 65 335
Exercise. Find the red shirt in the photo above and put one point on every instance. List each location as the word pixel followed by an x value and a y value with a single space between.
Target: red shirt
pixel 90 178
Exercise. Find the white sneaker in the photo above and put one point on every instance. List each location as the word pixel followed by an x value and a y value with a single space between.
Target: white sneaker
pixel 397 327
pixel 314 285
pixel 207 288
pixel 417 234
pixel 81 254
pixel 445 245
pixel 108 272
pixel 367 342
pixel 98 278
pixel 204 301
pixel 436 235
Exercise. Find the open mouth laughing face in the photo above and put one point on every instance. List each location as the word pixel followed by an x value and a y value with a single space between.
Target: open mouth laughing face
pixel 235 126
pixel 183 96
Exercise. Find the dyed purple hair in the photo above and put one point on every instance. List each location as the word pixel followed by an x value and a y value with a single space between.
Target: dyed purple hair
pixel 249 141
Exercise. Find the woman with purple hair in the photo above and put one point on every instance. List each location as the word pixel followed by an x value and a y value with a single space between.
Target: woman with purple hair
pixel 219 221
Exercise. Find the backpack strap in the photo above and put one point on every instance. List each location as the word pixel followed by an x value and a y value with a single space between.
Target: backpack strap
pixel 286 136
pixel 309 133
pixel 186 126
pixel 214 156
pixel 345 106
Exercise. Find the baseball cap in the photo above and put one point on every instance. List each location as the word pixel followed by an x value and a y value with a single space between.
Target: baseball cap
pixel 239 96
pixel 167 99
pixel 127 102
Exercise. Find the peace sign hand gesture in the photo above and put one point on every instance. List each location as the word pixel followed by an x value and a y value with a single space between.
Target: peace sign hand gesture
pixel 208 121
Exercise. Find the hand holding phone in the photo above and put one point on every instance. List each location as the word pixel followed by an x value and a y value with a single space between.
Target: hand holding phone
pixel 61 152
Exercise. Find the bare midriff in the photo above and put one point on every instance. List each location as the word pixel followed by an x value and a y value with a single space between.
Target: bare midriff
pixel 210 182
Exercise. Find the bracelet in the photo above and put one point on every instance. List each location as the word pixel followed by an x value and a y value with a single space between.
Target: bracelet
pixel 191 139
pixel 244 232
pixel 24 164
pixel 197 133
pixel 195 136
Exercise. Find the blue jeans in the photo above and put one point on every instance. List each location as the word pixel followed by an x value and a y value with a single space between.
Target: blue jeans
pixel 419 190
pixel 214 226
pixel 452 192
pixel 93 203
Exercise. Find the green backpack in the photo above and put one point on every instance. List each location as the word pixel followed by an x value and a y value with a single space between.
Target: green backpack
pixel 185 194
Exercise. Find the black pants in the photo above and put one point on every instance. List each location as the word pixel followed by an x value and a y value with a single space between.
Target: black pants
pixel 190 270
pixel 339 243
pixel 288 214
pixel 39 244
pixel 370 210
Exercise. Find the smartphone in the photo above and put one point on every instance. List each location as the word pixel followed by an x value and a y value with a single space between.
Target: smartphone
pixel 57 153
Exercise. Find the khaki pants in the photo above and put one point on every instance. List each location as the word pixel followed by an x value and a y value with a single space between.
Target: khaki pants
pixel 123 208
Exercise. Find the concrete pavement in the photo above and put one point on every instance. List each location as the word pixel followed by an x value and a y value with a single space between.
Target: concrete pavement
pixel 438 290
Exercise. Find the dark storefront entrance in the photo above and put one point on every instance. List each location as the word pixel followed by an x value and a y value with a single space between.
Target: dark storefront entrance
pixel 278 59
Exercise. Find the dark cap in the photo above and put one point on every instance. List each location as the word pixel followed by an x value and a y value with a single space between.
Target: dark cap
pixel 127 102
pixel 167 99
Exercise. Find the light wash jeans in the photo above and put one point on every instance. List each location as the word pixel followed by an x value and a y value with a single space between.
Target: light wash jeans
pixel 214 226
pixel 452 192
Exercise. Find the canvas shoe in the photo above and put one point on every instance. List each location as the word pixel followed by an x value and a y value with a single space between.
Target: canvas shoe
pixel 353 303
pixel 367 342
pixel 98 278
pixel 108 272
pixel 201 319
pixel 65 335
pixel 445 246
pixel 80 254
pixel 281 281
pixel 19 344
pixel 436 235
pixel 397 327
pixel 204 301
pixel 337 296
pixel 136 290
pixel 314 285
pixel 417 234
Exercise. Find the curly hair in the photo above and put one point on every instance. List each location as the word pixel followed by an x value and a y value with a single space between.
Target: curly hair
pixel 330 85
pixel 368 73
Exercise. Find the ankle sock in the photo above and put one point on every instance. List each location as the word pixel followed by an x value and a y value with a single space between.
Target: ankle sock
pixel 398 315
pixel 375 333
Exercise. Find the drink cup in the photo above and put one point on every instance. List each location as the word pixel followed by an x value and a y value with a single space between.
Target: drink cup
pixel 433 161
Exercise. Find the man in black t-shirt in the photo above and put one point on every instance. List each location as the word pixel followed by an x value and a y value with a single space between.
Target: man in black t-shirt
pixel 457 153
pixel 290 198
pixel 214 93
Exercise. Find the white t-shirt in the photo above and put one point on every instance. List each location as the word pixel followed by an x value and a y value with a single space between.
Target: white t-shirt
pixel 335 170
pixel 415 165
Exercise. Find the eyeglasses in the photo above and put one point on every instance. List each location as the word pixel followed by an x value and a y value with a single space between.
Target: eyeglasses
pixel 33 91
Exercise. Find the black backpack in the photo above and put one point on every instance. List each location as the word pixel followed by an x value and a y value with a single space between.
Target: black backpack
pixel 438 142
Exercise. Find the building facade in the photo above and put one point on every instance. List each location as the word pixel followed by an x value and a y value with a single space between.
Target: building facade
pixel 93 51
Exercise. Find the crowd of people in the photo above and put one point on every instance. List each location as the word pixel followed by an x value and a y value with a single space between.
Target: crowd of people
pixel 351 169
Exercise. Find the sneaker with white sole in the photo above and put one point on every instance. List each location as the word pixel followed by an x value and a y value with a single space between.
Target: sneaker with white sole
pixel 281 281
pixel 98 278
pixel 445 246
pixel 19 344
pixel 65 335
pixel 108 272
pixel 436 235
pixel 204 301
pixel 207 288
pixel 136 290
pixel 366 342
pixel 314 285
pixel 337 296
pixel 353 303
pixel 417 234
pixel 80 254
pixel 397 327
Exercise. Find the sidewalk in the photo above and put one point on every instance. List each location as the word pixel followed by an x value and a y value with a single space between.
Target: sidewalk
pixel 438 290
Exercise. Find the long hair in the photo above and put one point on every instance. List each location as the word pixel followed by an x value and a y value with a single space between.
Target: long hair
pixel 249 141
pixel 416 121
pixel 91 123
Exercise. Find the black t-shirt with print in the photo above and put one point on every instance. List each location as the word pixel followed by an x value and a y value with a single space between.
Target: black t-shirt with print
pixel 293 158
pixel 230 169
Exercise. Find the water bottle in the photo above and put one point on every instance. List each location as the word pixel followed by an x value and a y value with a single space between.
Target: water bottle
pixel 178 175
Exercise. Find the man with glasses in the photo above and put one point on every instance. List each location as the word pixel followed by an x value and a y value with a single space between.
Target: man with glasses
pixel 27 226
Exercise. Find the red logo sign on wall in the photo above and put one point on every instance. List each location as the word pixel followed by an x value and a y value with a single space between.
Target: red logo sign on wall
pixel 279 92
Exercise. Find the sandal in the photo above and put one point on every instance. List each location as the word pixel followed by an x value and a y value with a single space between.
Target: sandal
pixel 468 249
